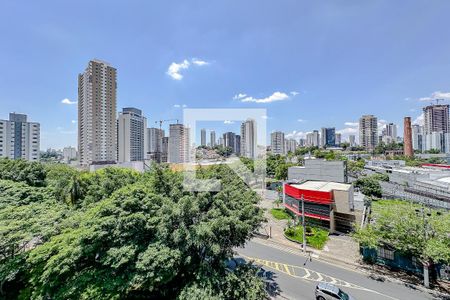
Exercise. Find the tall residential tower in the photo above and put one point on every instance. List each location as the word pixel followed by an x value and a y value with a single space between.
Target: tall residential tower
pixel 248 139
pixel 97 128
pixel 131 126
pixel 368 132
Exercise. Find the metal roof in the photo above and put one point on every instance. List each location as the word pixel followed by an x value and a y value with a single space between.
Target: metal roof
pixel 323 186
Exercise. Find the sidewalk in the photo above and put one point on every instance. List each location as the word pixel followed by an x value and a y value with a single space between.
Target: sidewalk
pixel 340 250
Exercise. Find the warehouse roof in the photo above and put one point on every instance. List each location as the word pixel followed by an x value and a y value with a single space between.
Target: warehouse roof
pixel 323 186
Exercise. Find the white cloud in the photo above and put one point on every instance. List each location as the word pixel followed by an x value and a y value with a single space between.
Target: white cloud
pixel 199 62
pixel 351 124
pixel 68 102
pixel 277 96
pixel 348 131
pixel 228 122
pixel 436 95
pixel 301 120
pixel 295 135
pixel 74 121
pixel 239 96
pixel 294 93
pixel 179 105
pixel 419 120
pixel 175 69
pixel 265 117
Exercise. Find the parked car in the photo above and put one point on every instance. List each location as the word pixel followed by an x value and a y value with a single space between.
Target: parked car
pixel 328 291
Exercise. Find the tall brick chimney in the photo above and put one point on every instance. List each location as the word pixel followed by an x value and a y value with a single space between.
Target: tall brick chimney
pixel 407 137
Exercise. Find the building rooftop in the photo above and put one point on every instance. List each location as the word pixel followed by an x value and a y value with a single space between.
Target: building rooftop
pixel 322 186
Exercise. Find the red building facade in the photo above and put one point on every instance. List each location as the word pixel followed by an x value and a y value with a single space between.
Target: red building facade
pixel 318 204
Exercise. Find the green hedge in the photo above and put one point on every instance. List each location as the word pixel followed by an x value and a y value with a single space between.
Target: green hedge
pixel 316 237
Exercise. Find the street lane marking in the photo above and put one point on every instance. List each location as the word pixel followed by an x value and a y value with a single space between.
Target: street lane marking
pixel 307 274
pixel 287 269
pixel 299 253
pixel 320 276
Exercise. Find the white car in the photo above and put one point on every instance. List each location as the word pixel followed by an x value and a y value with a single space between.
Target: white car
pixel 328 291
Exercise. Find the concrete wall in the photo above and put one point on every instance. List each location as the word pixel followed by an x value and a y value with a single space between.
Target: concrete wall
pixel 322 170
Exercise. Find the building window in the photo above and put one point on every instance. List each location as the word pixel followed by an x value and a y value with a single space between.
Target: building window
pixel 385 253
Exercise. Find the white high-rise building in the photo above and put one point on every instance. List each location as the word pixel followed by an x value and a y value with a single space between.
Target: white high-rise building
pixel 301 142
pixel 436 128
pixel 436 119
pixel 417 137
pixel 97 126
pixel 368 132
pixel 19 139
pixel 435 141
pixel 203 137
pixel 179 144
pixel 338 138
pixel 69 153
pixel 291 145
pixel 131 126
pixel 213 138
pixel 313 139
pixel 154 141
pixel 389 133
pixel 352 140
pixel 229 141
pixel 277 142
pixel 248 139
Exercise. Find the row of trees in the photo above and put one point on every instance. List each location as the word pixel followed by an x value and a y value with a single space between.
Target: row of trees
pixel 410 229
pixel 118 234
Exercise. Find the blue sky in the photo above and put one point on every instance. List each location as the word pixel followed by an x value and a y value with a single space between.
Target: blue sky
pixel 343 58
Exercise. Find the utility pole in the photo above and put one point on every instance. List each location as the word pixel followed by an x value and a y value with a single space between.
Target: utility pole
pixel 303 224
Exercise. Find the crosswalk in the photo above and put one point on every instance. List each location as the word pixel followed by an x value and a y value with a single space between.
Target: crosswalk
pixel 303 273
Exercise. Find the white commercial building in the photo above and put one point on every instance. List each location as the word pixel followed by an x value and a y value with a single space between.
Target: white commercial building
pixel 19 139
pixel 131 126
pixel 97 126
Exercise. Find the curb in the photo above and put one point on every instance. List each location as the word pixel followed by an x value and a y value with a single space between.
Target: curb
pixel 363 269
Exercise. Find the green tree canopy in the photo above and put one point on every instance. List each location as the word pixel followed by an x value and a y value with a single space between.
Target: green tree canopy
pixel 403 226
pixel 128 235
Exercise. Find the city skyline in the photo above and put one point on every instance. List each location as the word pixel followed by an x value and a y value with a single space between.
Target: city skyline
pixel 303 62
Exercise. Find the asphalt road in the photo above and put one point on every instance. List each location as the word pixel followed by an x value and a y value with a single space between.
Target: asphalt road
pixel 296 276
